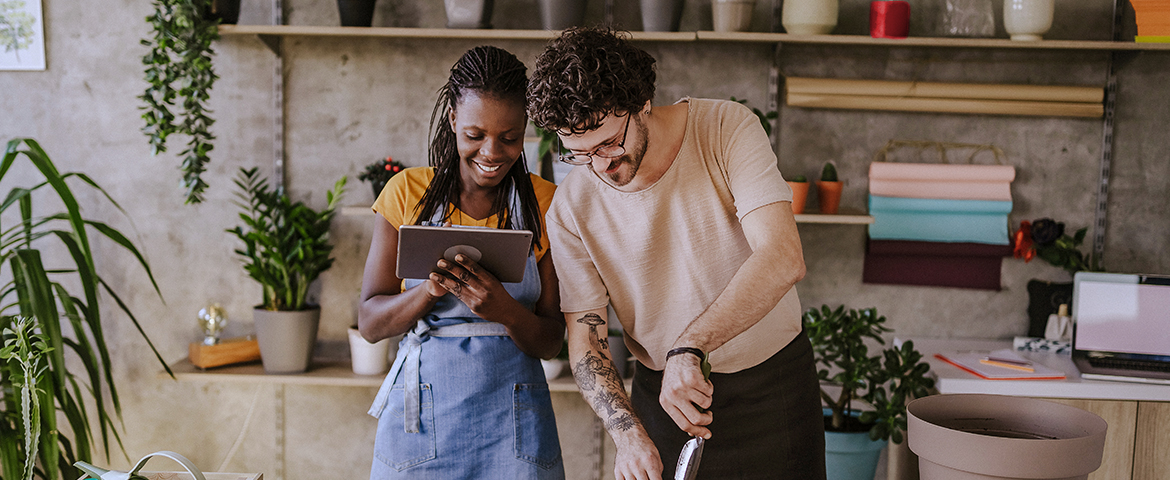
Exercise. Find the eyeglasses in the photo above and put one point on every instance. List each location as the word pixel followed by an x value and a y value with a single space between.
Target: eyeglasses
pixel 604 151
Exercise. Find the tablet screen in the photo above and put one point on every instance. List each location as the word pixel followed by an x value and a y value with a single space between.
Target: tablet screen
pixel 504 253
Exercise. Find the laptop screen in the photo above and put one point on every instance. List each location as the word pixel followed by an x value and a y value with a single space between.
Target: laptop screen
pixel 1122 313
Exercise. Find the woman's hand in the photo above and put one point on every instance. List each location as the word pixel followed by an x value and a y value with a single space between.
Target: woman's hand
pixel 470 283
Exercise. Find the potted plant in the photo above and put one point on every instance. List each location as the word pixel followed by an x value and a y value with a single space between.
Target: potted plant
pixel 179 72
pixel 1046 238
pixel 829 189
pixel 732 15
pixel 380 172
pixel 24 347
pixel 63 299
pixel 286 247
pixel 886 380
pixel 799 186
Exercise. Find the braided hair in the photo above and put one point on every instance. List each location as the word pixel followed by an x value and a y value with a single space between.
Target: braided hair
pixel 496 72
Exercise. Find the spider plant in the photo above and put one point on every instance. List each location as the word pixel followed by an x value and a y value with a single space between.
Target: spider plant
pixel 63 298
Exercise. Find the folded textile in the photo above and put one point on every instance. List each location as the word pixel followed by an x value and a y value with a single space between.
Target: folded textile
pixel 941 181
pixel 959 265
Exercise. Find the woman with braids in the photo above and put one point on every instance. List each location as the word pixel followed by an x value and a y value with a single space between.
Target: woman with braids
pixel 466 397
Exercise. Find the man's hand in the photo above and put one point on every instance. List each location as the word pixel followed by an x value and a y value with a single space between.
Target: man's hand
pixel 637 460
pixel 683 387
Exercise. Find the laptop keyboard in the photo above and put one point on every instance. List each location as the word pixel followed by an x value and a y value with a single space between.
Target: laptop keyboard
pixel 1128 364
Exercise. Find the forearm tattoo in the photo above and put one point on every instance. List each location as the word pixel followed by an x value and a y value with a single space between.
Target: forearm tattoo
pixel 600 383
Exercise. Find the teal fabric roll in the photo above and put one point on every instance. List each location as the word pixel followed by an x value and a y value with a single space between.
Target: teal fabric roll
pixel 934 220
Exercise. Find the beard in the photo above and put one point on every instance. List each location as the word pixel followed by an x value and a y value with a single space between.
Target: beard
pixel 632 158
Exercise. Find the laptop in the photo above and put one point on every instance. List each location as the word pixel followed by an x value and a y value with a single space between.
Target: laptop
pixel 1122 327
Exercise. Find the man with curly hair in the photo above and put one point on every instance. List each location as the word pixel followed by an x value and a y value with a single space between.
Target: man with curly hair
pixel 680 220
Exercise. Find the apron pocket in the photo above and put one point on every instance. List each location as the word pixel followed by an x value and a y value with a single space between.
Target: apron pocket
pixel 535 426
pixel 396 448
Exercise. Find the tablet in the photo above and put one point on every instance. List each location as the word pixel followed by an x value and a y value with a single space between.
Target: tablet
pixel 504 253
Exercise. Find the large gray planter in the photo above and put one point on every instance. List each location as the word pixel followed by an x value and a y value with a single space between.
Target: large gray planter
pixel 661 15
pixel 561 14
pixel 468 13
pixel 1000 437
pixel 286 338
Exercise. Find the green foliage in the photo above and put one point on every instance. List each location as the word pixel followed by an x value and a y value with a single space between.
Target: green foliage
pixel 887 379
pixel 47 293
pixel 286 243
pixel 799 179
pixel 179 73
pixel 829 173
pixel 26 348
pixel 765 118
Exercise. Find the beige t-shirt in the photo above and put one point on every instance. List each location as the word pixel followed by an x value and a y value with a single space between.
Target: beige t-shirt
pixel 662 255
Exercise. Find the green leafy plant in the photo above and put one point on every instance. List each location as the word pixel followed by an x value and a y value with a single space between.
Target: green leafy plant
pixel 1045 238
pixel 829 173
pixel 765 118
pixel 70 321
pixel 179 73
pixel 886 379
pixel 799 179
pixel 286 243
pixel 380 172
pixel 26 348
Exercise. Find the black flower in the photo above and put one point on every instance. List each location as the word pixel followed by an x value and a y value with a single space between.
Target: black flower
pixel 1046 231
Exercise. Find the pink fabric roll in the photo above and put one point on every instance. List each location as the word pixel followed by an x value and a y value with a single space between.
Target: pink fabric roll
pixel 942 181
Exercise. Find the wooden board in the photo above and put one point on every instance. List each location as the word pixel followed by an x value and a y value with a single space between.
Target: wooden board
pixel 207 475
pixel 1151 455
pixel 1117 461
pixel 227 352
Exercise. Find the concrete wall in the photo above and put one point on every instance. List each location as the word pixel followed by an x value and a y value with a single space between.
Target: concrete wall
pixel 351 101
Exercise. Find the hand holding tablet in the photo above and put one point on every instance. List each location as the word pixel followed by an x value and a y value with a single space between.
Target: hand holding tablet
pixel 504 253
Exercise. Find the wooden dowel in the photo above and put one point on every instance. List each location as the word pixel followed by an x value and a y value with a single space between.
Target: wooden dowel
pixel 948 105
pixel 889 88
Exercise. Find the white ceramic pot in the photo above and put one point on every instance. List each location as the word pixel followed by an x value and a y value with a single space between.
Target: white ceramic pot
pixel 553 368
pixel 972 436
pixel 732 15
pixel 809 17
pixel 368 358
pixel 1027 20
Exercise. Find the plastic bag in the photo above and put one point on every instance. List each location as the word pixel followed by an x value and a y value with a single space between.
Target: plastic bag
pixel 968 18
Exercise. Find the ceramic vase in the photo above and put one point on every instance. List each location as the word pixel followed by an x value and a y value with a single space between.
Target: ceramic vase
pixel 661 15
pixel 227 11
pixel 1001 437
pixel 732 15
pixel 799 196
pixel 468 13
pixel 1027 20
pixel 829 196
pixel 553 368
pixel 809 17
pixel 286 338
pixel 561 14
pixel 356 13
pixel 368 358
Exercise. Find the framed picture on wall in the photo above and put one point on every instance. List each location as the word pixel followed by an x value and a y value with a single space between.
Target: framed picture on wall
pixel 22 35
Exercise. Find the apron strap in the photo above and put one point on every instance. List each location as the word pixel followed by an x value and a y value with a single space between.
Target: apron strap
pixel 408 365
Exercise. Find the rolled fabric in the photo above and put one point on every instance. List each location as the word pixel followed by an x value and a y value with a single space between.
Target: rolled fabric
pixel 990 228
pixel 942 181
pixel 960 265
pixel 942 172
pixel 879 203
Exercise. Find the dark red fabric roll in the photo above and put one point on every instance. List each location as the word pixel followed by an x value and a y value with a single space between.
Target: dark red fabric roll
pixel 938 264
pixel 889 19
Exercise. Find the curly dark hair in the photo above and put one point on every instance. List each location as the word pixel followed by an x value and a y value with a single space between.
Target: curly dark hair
pixel 586 74
pixel 496 72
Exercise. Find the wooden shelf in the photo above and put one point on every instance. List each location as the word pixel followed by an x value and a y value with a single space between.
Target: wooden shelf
pixel 750 37
pixel 322 372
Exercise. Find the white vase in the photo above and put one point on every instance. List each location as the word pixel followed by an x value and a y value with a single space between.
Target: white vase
pixel 1027 20
pixel 368 358
pixel 553 368
pixel 809 17
pixel 732 15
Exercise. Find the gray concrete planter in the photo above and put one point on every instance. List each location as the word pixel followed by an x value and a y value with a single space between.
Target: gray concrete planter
pixel 468 13
pixel 661 15
pixel 286 338
pixel 971 436
pixel 561 14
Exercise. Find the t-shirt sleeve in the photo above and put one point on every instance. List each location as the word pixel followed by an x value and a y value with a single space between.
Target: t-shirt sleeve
pixel 400 195
pixel 580 285
pixel 749 162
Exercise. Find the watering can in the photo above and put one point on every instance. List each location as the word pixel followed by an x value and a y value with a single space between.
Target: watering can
pixel 103 474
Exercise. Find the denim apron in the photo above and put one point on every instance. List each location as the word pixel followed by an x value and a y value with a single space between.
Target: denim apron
pixel 461 401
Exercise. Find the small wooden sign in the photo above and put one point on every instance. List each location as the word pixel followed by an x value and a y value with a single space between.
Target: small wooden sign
pixel 226 352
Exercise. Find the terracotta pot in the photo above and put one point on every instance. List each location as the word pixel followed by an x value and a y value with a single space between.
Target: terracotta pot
pixel 829 196
pixel 799 196
pixel 1001 437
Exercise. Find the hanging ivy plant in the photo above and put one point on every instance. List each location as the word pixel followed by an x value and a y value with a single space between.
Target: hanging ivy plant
pixel 179 75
